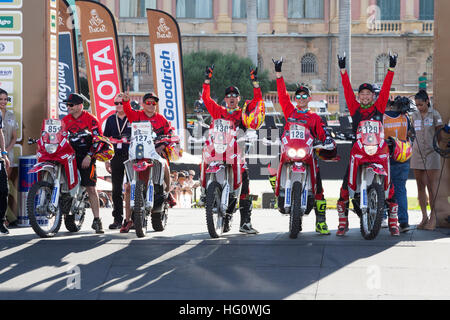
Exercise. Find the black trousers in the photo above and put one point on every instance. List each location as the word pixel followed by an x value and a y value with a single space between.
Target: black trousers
pixel 118 172
pixel 3 190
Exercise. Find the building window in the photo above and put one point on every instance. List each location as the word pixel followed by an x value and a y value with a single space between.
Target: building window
pixel 309 9
pixel 389 9
pixel 309 64
pixel 142 63
pixel 201 9
pixel 240 9
pixel 381 65
pixel 135 8
pixel 426 10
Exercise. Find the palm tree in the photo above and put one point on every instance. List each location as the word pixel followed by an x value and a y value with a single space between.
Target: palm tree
pixel 344 43
pixel 252 32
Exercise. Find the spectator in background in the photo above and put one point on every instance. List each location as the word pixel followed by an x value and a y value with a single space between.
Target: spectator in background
pixel 184 191
pixel 423 82
pixel 398 125
pixel 425 161
pixel 173 185
pixel 4 166
pixel 192 184
pixel 9 129
pixel 118 127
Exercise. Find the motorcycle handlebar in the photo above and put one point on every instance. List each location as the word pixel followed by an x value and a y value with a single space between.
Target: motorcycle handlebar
pixel 32 141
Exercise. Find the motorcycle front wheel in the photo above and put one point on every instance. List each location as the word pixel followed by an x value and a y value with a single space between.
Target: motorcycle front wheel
pixel 139 214
pixel 370 222
pixel 44 223
pixel 295 219
pixel 214 218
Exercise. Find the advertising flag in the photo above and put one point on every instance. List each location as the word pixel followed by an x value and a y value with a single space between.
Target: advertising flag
pixel 102 57
pixel 67 65
pixel 165 47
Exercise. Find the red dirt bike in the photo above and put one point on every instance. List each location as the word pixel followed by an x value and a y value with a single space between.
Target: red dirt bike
pixel 57 193
pixel 221 175
pixel 145 171
pixel 297 172
pixel 369 179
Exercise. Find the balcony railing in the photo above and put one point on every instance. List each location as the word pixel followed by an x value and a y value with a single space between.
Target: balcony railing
pixel 386 26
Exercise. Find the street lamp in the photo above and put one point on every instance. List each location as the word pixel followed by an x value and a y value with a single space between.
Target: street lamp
pixel 127 62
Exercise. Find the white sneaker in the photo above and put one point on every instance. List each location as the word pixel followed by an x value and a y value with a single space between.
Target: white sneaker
pixel 384 223
pixel 247 228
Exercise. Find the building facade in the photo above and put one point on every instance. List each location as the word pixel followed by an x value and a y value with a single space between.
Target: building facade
pixel 304 32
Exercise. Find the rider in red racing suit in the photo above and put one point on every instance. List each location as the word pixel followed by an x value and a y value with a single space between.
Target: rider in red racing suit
pixel 316 126
pixel 366 109
pixel 234 113
pixel 161 126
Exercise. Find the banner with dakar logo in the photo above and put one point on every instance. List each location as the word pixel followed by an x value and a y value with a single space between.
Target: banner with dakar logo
pixel 165 47
pixel 102 57
pixel 67 65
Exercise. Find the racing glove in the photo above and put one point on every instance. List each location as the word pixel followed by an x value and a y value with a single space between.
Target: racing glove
pixel 392 60
pixel 209 72
pixel 254 74
pixel 341 61
pixel 329 144
pixel 278 64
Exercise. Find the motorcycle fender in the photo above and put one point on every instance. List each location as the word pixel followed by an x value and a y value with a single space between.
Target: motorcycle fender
pixel 214 168
pixel 44 166
pixel 141 166
pixel 298 167
pixel 377 169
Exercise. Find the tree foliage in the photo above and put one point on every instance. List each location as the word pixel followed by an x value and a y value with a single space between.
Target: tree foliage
pixel 229 70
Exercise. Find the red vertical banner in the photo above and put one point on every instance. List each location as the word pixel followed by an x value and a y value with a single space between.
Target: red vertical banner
pixel 101 53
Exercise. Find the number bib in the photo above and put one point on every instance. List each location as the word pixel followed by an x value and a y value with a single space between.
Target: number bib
pixel 222 126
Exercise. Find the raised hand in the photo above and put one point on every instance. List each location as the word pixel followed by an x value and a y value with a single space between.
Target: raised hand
pixel 341 61
pixel 392 60
pixel 209 72
pixel 278 64
pixel 254 74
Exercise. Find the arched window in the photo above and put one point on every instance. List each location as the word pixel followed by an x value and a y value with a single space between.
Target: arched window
pixel 142 63
pixel 381 65
pixel 309 64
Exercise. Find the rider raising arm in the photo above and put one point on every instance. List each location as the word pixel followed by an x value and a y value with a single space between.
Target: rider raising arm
pixel 232 98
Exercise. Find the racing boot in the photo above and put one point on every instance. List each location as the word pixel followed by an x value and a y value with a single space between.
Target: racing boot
pixel 280 202
pixel 245 206
pixel 202 201
pixel 321 225
pixel 393 219
pixel 342 208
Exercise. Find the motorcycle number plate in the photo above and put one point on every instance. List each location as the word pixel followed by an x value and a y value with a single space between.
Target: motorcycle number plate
pixel 297 132
pixel 52 125
pixel 222 126
pixel 370 127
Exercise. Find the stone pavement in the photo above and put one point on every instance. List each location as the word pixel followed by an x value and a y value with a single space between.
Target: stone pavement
pixel 182 262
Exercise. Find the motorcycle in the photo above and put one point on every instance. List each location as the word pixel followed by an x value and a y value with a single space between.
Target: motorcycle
pixel 369 178
pixel 57 192
pixel 145 171
pixel 297 173
pixel 221 175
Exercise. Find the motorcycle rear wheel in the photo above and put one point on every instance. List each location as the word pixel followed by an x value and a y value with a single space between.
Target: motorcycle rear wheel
pixel 214 218
pixel 370 222
pixel 295 219
pixel 139 214
pixel 52 221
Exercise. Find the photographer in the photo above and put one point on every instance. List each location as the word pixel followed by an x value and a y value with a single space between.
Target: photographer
pixel 399 133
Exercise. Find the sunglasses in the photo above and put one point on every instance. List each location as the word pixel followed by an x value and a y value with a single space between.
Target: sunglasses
pixel 70 105
pixel 153 103
pixel 117 103
pixel 234 95
pixel 302 96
